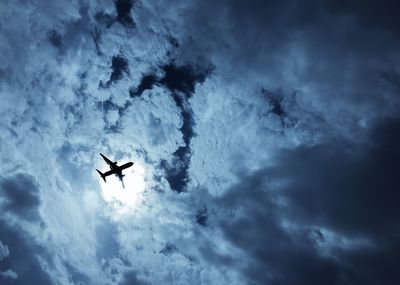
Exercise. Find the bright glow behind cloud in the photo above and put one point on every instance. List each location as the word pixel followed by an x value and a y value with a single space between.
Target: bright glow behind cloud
pixel 124 199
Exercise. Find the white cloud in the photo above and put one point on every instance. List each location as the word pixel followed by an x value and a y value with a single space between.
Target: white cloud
pixel 9 274
pixel 4 252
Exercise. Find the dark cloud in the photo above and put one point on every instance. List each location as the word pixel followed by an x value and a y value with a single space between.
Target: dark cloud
pixel 22 197
pixel 393 77
pixel 352 186
pixel 276 257
pixel 23 257
pixel 370 13
pixel 348 188
pixel 267 25
pixel 338 48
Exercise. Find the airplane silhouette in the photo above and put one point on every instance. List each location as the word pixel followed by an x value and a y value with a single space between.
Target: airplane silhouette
pixel 114 169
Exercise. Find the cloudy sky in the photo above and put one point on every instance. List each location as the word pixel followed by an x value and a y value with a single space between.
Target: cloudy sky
pixel 265 137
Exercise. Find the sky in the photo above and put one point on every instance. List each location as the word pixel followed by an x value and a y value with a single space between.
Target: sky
pixel 264 134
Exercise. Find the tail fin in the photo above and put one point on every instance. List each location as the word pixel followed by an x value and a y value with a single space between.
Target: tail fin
pixel 102 175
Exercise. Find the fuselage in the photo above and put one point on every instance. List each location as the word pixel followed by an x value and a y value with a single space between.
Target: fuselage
pixel 117 170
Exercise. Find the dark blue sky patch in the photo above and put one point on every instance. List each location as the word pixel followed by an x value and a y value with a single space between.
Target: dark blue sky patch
pixel 123 15
pixel 184 78
pixel 188 124
pixel 123 8
pixel 119 66
pixel 176 172
pixel 147 82
pixel 176 78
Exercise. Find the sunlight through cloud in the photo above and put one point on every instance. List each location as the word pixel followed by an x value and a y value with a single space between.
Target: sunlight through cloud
pixel 125 198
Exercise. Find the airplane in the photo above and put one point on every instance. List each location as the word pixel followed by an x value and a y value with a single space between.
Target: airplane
pixel 114 169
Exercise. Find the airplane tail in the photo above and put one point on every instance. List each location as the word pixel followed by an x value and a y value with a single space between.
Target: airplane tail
pixel 102 175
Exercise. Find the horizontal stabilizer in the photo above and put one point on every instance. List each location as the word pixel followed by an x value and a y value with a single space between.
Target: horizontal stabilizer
pixel 102 175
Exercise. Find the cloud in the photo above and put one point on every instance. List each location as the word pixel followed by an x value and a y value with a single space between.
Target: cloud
pixel 332 54
pixel 22 260
pixel 359 180
pixel 285 217
pixel 273 121
pixel 21 194
pixel 130 278
pixel 9 274
pixel 4 252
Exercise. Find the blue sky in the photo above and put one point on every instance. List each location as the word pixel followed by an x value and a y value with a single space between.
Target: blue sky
pixel 264 134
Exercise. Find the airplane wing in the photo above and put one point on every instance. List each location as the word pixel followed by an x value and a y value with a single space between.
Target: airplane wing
pixel 124 166
pixel 109 162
